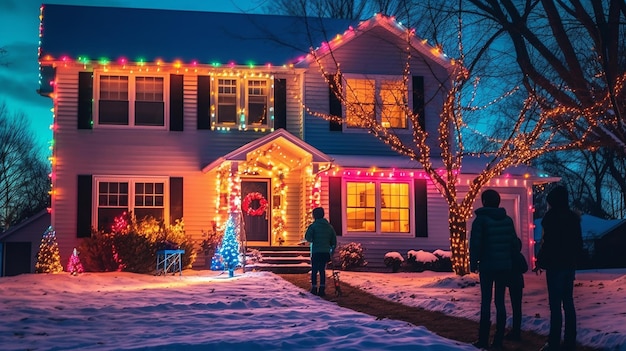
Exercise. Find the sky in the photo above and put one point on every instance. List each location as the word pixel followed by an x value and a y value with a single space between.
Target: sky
pixel 19 35
pixel 206 310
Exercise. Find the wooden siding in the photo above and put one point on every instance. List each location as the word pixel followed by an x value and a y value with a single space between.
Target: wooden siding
pixel 438 232
pixel 136 152
pixel 357 57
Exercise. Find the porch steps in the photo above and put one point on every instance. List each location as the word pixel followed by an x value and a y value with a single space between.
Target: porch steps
pixel 281 259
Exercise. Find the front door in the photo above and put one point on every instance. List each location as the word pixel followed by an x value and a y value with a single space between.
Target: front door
pixel 255 208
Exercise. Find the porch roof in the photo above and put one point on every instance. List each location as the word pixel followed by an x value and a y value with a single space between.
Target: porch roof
pixel 280 136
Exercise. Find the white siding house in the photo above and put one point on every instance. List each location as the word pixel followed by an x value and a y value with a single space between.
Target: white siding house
pixel 161 112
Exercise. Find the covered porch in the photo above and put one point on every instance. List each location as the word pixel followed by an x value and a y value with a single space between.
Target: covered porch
pixel 274 183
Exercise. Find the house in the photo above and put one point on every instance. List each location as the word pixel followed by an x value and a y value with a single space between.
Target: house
pixel 19 245
pixel 183 115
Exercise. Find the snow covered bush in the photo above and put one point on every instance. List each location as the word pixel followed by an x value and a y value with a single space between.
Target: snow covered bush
pixel 444 261
pixel 351 256
pixel 394 260
pixel 419 261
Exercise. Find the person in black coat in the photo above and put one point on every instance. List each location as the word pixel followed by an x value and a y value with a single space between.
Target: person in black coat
pixel 519 266
pixel 561 250
pixel 492 240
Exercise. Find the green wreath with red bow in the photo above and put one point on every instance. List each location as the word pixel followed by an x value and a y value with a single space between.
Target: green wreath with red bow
pixel 247 201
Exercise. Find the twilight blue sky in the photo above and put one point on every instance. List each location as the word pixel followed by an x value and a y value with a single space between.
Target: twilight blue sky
pixel 19 31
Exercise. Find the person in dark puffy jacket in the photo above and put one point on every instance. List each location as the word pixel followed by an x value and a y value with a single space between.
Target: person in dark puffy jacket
pixel 519 266
pixel 492 240
pixel 561 250
pixel 323 241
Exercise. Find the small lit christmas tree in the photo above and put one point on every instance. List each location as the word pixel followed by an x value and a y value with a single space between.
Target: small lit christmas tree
pixel 229 253
pixel 74 266
pixel 48 258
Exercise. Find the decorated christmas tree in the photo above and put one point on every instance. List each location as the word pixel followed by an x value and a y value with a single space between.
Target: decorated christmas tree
pixel 74 266
pixel 48 258
pixel 228 255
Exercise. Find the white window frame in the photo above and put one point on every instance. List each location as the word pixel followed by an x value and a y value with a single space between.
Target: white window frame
pixel 242 103
pixel 131 99
pixel 377 232
pixel 378 79
pixel 131 193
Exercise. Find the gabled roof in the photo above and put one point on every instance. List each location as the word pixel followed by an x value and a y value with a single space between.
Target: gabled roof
pixel 390 24
pixel 279 135
pixel 89 33
pixel 114 33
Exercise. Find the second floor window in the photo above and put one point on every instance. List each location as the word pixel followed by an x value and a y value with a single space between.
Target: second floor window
pixel 257 102
pixel 227 102
pixel 131 100
pixel 242 102
pixel 383 99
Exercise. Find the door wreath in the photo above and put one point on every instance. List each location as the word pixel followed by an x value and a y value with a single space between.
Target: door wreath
pixel 259 211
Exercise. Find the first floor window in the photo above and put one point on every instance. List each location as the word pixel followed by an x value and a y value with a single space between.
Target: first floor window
pixel 143 197
pixel 378 207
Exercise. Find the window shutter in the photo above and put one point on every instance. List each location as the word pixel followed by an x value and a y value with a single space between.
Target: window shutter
pixel 85 100
pixel 84 206
pixel 176 102
pixel 334 204
pixel 421 208
pixel 280 104
pixel 176 199
pixel 204 102
pixel 334 104
pixel 418 100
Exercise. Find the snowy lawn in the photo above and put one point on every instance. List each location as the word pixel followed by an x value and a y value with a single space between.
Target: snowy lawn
pixel 206 310
pixel 201 310
pixel 599 297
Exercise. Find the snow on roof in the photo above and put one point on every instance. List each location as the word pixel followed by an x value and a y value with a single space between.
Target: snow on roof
pixel 112 33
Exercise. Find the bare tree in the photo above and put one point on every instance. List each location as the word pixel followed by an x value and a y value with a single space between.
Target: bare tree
pixel 532 134
pixel 346 9
pixel 24 182
pixel 573 53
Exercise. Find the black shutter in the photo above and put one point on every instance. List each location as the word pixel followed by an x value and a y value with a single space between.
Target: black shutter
pixel 418 100
pixel 85 100
pixel 280 104
pixel 84 204
pixel 334 104
pixel 421 208
pixel 176 102
pixel 204 102
pixel 176 199
pixel 334 203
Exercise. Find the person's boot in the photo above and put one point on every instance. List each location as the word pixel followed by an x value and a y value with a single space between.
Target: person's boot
pixel 314 290
pixel 322 291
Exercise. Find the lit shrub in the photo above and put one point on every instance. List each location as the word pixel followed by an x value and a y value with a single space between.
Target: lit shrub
pixel 131 245
pixel 351 256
